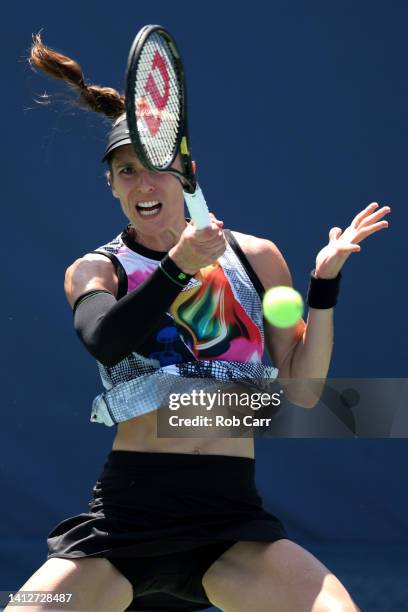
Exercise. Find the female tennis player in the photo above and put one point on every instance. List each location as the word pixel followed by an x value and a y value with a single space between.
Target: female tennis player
pixel 177 523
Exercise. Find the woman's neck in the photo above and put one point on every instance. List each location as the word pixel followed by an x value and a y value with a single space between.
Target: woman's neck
pixel 162 242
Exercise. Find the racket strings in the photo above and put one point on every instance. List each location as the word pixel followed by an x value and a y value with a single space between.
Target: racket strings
pixel 157 100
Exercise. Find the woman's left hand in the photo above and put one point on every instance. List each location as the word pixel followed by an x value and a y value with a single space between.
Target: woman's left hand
pixel 332 257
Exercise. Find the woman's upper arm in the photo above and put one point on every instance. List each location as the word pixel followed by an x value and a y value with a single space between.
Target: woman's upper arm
pixel 92 271
pixel 272 270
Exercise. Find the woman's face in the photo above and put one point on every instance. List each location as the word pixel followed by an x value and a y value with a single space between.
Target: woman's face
pixel 153 202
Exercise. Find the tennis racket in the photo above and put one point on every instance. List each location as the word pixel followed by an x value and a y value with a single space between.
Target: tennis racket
pixel 156 110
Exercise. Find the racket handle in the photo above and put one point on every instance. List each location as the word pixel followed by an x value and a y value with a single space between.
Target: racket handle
pixel 197 207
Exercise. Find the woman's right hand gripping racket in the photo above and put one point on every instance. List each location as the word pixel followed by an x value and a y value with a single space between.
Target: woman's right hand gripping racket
pixel 156 109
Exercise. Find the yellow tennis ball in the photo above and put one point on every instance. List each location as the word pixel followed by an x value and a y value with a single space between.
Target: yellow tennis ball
pixel 282 306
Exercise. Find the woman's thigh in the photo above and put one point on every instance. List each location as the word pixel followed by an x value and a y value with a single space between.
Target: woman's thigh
pixel 95 584
pixel 274 577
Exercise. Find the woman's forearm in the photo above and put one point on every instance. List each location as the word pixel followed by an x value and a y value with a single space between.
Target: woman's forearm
pixel 311 355
pixel 306 368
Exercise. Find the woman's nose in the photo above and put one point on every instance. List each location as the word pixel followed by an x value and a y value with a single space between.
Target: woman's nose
pixel 146 181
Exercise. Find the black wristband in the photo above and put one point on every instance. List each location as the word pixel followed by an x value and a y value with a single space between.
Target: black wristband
pixel 323 292
pixel 173 272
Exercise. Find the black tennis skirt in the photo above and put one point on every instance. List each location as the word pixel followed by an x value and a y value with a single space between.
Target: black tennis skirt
pixel 154 504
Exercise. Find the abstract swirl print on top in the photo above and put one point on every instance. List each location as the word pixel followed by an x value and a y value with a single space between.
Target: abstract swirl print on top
pixel 213 323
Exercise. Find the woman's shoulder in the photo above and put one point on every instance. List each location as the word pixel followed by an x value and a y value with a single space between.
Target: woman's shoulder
pixel 98 262
pixel 89 272
pixel 265 258
pixel 256 246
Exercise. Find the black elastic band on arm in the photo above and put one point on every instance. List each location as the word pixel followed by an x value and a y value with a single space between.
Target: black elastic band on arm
pixel 87 295
pixel 260 289
pixel 174 273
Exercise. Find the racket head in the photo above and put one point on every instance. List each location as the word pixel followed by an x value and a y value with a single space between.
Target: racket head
pixel 156 102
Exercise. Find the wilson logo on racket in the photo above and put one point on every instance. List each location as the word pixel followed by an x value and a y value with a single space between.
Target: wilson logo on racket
pixel 156 113
pixel 152 116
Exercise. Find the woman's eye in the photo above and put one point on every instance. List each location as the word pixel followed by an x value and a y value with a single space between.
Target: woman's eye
pixel 127 170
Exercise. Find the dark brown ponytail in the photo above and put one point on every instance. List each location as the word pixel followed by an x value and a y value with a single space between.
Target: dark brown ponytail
pixel 103 100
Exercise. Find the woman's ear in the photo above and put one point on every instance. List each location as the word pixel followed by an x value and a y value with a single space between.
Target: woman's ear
pixel 194 166
pixel 109 182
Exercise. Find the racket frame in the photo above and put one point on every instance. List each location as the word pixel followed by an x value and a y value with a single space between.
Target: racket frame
pixel 187 177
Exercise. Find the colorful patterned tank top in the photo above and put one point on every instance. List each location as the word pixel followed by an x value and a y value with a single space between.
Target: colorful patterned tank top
pixel 213 330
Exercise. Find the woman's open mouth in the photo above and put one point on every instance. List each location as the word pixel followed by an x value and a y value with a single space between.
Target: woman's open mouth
pixel 148 209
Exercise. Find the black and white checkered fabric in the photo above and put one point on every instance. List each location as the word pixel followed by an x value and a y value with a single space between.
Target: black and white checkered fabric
pixel 149 391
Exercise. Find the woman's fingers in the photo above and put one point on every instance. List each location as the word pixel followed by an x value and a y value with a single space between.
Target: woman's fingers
pixel 348 248
pixel 362 233
pixel 370 214
pixel 335 233
pixel 214 219
pixel 364 213
pixel 375 216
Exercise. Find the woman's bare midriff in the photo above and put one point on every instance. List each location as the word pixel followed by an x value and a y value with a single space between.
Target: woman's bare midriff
pixel 140 434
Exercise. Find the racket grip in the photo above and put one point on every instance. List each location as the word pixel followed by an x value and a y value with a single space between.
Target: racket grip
pixel 197 207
